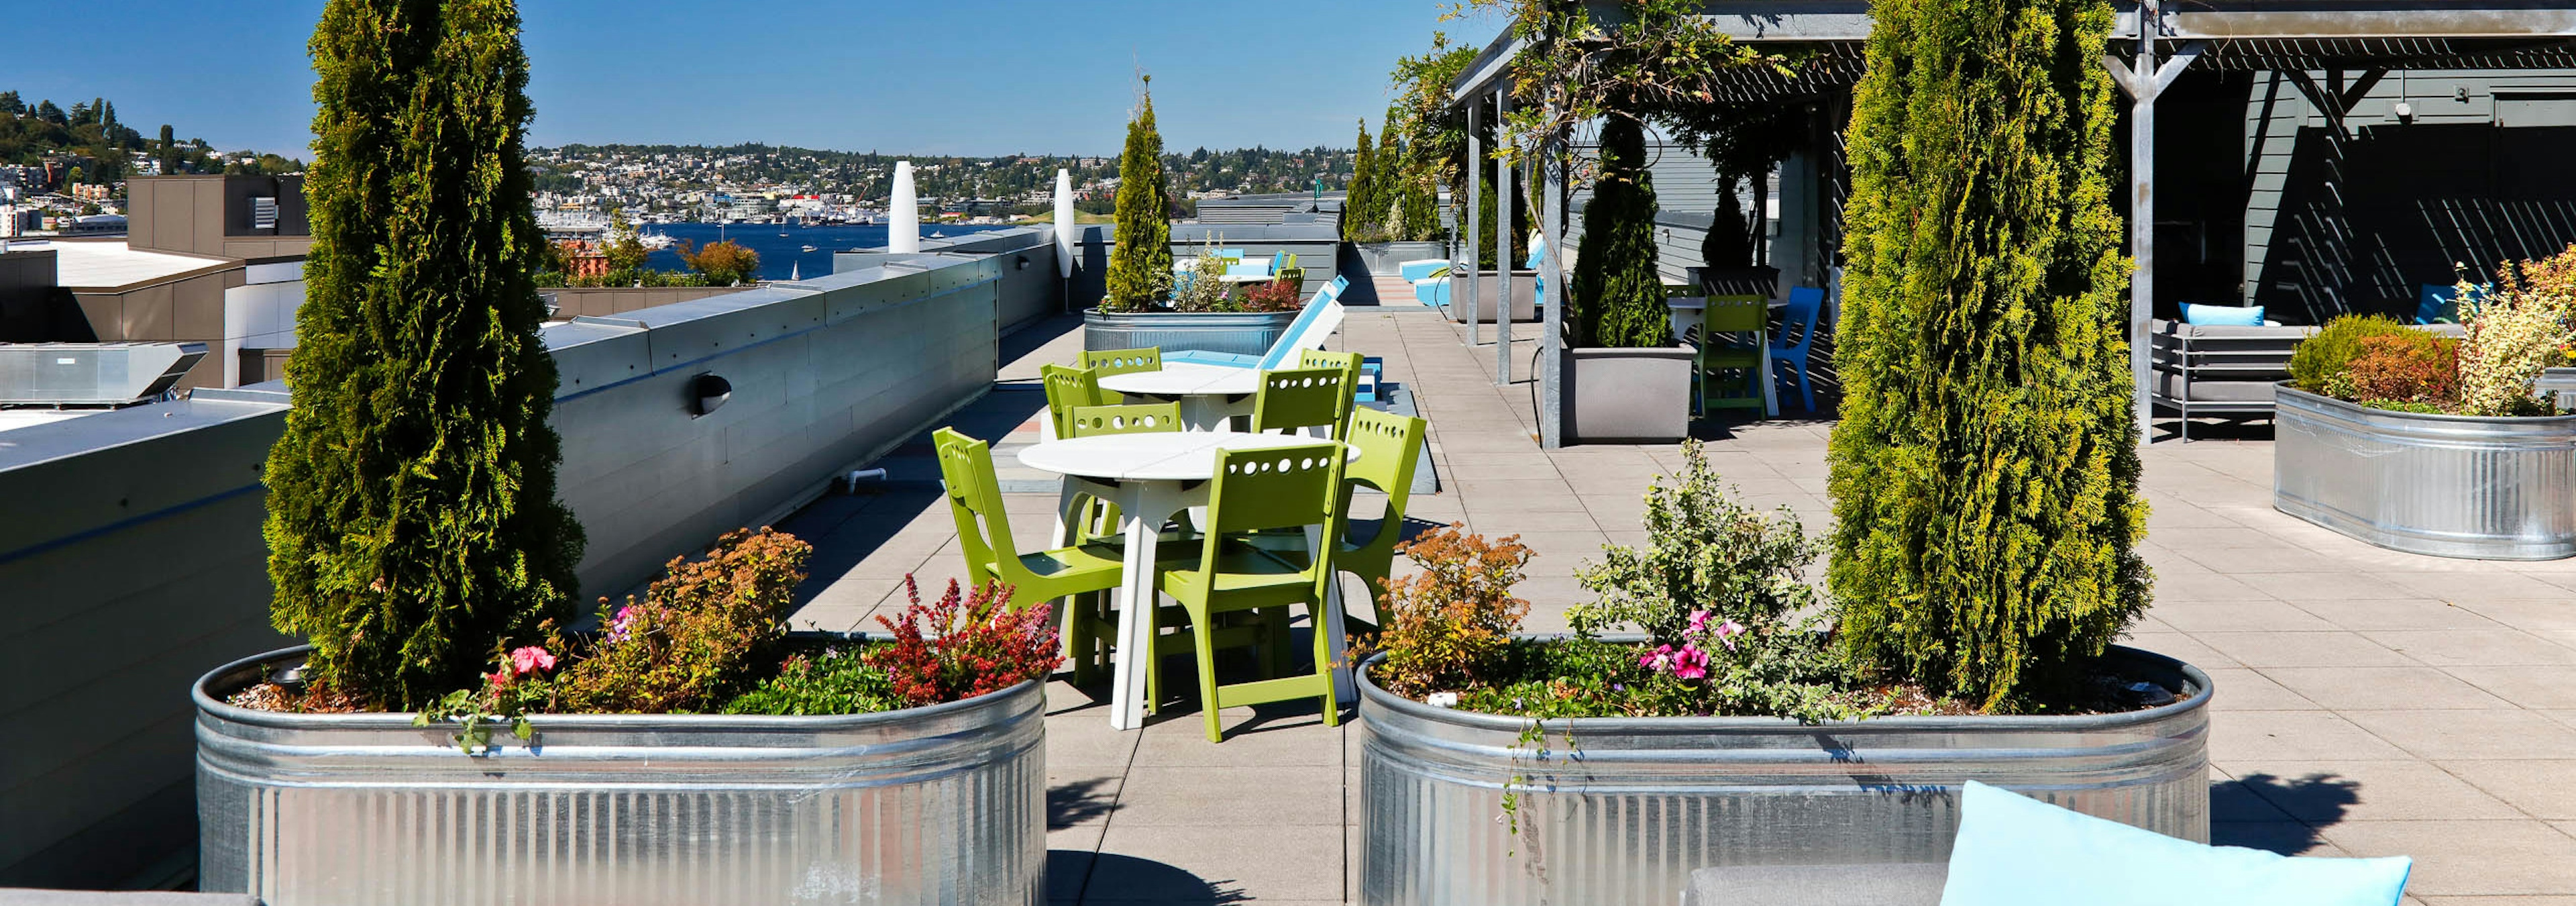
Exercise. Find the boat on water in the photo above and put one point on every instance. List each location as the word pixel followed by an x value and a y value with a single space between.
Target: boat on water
pixel 808 248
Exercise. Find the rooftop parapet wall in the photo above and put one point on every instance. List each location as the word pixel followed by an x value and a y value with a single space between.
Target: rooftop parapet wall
pixel 132 561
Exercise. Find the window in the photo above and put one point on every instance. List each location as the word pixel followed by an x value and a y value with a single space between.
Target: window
pixel 263 212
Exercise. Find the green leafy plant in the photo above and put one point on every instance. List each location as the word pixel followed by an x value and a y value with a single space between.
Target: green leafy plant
pixel 1703 552
pixel 1618 294
pixel 1140 264
pixel 698 632
pixel 1448 627
pixel 516 688
pixel 1206 289
pixel 2321 364
pixel 2513 331
pixel 412 522
pixel 1985 470
pixel 838 681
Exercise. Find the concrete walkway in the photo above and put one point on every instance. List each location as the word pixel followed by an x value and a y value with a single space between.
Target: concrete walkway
pixel 2370 702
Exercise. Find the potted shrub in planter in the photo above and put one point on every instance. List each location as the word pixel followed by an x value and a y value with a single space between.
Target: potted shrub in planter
pixel 1391 214
pixel 1727 725
pixel 1626 378
pixel 415 541
pixel 2421 443
pixel 1146 306
pixel 1983 558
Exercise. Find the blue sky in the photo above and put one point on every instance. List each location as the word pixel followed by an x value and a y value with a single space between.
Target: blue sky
pixel 909 76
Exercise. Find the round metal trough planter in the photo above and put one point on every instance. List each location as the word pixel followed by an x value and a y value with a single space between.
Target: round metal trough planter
pixel 1237 334
pixel 944 804
pixel 2449 485
pixel 1627 810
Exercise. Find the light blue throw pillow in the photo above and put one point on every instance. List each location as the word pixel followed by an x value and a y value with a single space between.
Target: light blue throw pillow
pixel 2017 851
pixel 2222 315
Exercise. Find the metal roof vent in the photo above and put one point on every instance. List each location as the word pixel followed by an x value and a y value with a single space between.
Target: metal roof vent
pixel 263 212
pixel 92 374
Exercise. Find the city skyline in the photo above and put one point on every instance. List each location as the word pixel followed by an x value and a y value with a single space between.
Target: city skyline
pixel 1227 74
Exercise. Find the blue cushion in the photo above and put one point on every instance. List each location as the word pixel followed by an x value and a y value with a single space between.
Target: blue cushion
pixel 1202 357
pixel 2017 851
pixel 2222 315
pixel 1421 268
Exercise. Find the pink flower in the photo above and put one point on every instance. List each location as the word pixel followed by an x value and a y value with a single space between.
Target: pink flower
pixel 1690 663
pixel 617 625
pixel 1658 660
pixel 1727 631
pixel 531 659
pixel 499 678
pixel 1698 620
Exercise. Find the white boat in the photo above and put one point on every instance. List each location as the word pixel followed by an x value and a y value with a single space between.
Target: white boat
pixel 809 248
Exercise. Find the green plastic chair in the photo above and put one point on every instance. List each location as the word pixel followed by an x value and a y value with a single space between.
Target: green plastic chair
pixel 1306 397
pixel 1732 366
pixel 1390 448
pixel 1277 488
pixel 1082 575
pixel 1067 389
pixel 1107 362
pixel 1095 519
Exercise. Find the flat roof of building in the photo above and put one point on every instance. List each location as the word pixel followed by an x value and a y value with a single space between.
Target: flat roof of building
pixel 111 263
pixel 13 419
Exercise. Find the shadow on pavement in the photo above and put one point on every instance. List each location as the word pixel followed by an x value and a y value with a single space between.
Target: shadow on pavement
pixel 2306 806
pixel 1077 876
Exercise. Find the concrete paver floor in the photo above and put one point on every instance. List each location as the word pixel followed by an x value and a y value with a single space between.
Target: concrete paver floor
pixel 2369 702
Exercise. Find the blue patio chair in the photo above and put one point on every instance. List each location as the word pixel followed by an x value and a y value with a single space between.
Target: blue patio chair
pixel 1314 324
pixel 1805 302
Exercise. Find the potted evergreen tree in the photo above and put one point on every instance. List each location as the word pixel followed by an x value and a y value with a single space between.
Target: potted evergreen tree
pixel 1626 378
pixel 1151 305
pixel 416 542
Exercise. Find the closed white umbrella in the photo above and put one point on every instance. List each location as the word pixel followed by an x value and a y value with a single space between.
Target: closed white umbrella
pixel 1064 223
pixel 903 213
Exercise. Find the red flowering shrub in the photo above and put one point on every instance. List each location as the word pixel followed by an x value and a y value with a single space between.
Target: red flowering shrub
pixel 1276 295
pixel 2407 367
pixel 962 647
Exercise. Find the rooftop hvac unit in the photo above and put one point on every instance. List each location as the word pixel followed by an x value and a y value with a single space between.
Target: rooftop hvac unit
pixel 92 374
pixel 263 212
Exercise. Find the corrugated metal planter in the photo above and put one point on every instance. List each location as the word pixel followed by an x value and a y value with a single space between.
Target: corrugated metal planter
pixel 1633 806
pixel 1381 258
pixel 1239 334
pixel 945 804
pixel 2448 485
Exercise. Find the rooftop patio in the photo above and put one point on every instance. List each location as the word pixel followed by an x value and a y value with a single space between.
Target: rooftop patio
pixel 2370 702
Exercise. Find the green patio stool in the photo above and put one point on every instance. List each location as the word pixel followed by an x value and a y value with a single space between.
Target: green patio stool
pixel 1277 488
pixel 1081 575
pixel 1107 362
pixel 1066 389
pixel 1390 448
pixel 1095 519
pixel 1728 365
pixel 1291 399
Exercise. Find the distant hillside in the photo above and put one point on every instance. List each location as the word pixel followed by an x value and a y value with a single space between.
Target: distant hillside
pixel 863 173
pixel 29 133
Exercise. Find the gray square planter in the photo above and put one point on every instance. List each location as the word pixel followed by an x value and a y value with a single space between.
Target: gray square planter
pixel 1632 395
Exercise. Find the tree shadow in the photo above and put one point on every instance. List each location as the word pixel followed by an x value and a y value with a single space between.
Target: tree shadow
pixel 1077 801
pixel 2286 816
pixel 1081 876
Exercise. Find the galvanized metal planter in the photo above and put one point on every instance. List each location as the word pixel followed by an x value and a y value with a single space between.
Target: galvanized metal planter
pixel 945 804
pixel 2448 485
pixel 1382 258
pixel 1239 334
pixel 1628 809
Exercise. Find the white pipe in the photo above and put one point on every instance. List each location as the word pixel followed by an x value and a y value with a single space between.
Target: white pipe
pixel 1064 223
pixel 903 212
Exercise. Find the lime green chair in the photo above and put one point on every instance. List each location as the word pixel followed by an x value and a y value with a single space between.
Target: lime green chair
pixel 1067 388
pixel 1082 574
pixel 1094 519
pixel 1291 399
pixel 1107 362
pixel 1255 490
pixel 1390 448
pixel 1728 368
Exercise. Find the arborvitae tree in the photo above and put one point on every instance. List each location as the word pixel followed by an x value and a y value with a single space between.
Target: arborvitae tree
pixel 1985 471
pixel 1386 187
pixel 1618 296
pixel 412 521
pixel 1140 265
pixel 1729 242
pixel 1357 202
pixel 169 152
pixel 1421 203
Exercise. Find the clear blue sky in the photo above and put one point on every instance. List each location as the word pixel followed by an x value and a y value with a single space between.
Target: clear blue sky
pixel 911 76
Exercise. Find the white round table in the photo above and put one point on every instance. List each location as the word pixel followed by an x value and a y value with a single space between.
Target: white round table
pixel 1210 395
pixel 1150 477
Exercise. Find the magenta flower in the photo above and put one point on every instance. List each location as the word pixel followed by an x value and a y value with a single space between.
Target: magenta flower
pixel 617 625
pixel 1727 631
pixel 1698 621
pixel 531 659
pixel 1658 660
pixel 1690 663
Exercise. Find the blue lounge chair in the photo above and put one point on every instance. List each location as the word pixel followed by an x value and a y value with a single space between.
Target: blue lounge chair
pixel 1315 324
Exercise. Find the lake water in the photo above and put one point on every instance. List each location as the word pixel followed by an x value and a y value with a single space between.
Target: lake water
pixel 780 254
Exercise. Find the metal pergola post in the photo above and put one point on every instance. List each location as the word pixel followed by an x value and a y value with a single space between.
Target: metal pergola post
pixel 1475 215
pixel 2143 83
pixel 1502 247
pixel 1551 422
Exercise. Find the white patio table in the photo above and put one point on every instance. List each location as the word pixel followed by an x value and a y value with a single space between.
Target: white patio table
pixel 1150 477
pixel 1210 395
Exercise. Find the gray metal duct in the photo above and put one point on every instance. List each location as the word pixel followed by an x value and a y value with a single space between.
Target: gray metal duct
pixel 91 374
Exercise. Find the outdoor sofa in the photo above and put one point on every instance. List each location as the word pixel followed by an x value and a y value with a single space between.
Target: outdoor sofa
pixel 2225 370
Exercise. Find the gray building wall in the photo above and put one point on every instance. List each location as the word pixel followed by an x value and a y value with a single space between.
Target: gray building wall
pixel 186 307
pixel 601 302
pixel 210 215
pixel 133 562
pixel 1026 255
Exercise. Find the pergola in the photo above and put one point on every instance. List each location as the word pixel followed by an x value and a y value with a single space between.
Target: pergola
pixel 2354 43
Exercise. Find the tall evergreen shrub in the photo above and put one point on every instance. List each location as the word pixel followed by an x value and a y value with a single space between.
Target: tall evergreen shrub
pixel 1985 471
pixel 412 522
pixel 1618 297
pixel 1140 265
pixel 1358 200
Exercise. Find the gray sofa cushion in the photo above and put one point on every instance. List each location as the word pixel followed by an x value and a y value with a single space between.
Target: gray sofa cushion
pixel 2204 390
pixel 1889 884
